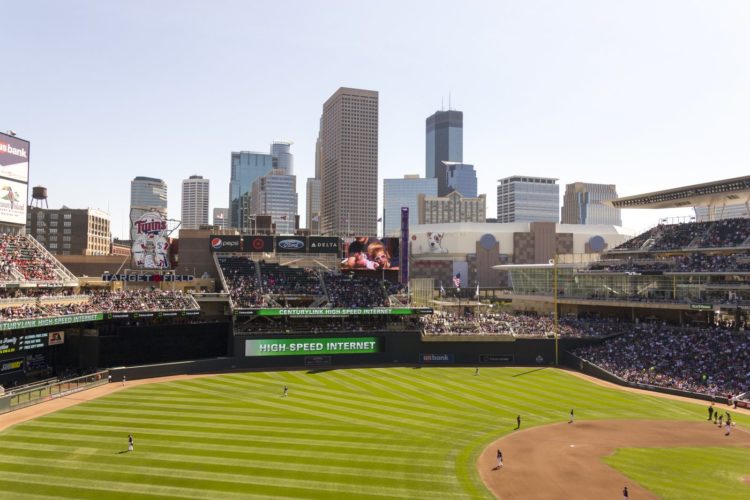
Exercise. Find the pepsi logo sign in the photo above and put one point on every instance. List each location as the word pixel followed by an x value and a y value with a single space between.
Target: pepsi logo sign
pixel 291 244
pixel 216 243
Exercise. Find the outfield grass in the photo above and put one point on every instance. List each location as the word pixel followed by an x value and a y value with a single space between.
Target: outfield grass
pixel 359 433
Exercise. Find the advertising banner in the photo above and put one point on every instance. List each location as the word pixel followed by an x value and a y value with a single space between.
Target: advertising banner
pixel 11 365
pixel 225 243
pixel 14 158
pixel 436 358
pixel 323 312
pixel 252 243
pixel 13 196
pixel 291 244
pixel 323 244
pixel 311 346
pixel 404 262
pixel 56 338
pixel 368 253
pixel 150 241
pixel 53 321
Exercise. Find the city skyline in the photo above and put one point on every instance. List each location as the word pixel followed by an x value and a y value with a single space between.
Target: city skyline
pixel 584 92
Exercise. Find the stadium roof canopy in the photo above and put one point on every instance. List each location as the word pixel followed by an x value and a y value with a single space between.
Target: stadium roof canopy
pixel 710 194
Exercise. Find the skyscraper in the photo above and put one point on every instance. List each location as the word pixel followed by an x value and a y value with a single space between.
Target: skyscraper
pixel 221 217
pixel 275 194
pixel 459 177
pixel 404 192
pixel 444 142
pixel 150 193
pixel 528 199
pixel 147 194
pixel 283 159
pixel 349 166
pixel 246 167
pixel 582 204
pixel 194 202
pixel 313 205
pixel 313 188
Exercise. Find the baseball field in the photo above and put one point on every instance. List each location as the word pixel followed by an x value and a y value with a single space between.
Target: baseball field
pixel 376 433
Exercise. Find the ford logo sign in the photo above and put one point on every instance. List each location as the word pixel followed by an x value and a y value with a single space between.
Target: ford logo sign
pixel 291 244
pixel 216 243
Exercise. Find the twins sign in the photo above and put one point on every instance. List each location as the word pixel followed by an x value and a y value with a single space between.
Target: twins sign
pixel 150 243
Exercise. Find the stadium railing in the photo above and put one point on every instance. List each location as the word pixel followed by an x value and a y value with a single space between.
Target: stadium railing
pixel 15 400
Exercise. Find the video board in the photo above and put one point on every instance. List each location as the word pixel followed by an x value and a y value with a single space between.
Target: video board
pixel 370 253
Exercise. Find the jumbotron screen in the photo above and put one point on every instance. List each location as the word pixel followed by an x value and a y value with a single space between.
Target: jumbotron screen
pixel 370 253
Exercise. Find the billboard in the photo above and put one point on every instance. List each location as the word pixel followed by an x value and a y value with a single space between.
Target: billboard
pixel 252 243
pixel 225 243
pixel 13 196
pixel 14 179
pixel 150 241
pixel 14 159
pixel 368 253
pixel 323 244
pixel 323 312
pixel 291 244
pixel 311 346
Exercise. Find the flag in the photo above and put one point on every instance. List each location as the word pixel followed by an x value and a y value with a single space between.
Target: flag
pixel 442 290
pixel 457 280
pixel 316 218
pixel 283 217
pixel 380 219
pixel 220 215
pixel 476 294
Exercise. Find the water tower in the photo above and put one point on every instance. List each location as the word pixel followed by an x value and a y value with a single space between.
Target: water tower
pixel 39 195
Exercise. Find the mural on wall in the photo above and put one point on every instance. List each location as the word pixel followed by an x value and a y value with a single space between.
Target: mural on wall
pixel 429 243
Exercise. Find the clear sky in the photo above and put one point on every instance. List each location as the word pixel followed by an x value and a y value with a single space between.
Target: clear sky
pixel 646 95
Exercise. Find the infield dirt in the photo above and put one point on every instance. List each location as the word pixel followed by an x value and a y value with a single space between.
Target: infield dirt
pixel 565 460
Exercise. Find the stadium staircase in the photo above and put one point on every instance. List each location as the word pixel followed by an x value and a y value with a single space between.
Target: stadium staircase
pixel 64 274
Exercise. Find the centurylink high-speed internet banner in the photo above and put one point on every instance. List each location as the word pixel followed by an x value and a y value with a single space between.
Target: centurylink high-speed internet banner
pixel 326 312
pixel 307 347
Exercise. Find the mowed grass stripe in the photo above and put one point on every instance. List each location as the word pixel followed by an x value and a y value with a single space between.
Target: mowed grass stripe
pixel 280 452
pixel 245 475
pixel 204 437
pixel 105 426
pixel 203 465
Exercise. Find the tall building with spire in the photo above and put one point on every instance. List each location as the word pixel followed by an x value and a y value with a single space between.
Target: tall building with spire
pixel 444 142
pixel 349 163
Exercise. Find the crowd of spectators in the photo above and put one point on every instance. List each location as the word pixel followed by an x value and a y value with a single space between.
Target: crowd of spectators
pixel 19 254
pixel 351 324
pixel 142 300
pixel 518 325
pixel 283 280
pixel 723 233
pixel 345 290
pixel 103 301
pixel 693 262
pixel 714 361
pixel 241 277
